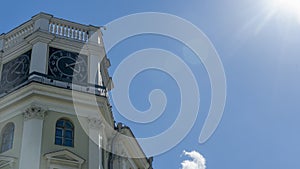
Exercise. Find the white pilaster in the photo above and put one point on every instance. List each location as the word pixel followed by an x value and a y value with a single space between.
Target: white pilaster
pixel 40 46
pixel 39 58
pixel 97 53
pixel 32 138
pixel 96 130
pixel 93 68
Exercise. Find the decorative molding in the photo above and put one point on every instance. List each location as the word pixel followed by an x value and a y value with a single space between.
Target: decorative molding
pixel 7 161
pixel 96 123
pixel 64 159
pixel 34 112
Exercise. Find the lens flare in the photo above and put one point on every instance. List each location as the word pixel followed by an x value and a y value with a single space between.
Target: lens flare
pixel 286 8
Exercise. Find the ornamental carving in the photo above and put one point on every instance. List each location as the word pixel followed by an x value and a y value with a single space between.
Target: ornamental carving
pixel 95 123
pixel 34 112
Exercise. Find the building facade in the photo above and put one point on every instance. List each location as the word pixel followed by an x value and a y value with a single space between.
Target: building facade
pixel 54 108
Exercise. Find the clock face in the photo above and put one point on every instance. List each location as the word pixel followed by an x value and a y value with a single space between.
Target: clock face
pixel 15 71
pixel 67 66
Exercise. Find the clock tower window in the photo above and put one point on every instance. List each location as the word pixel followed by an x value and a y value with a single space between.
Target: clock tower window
pixel 64 133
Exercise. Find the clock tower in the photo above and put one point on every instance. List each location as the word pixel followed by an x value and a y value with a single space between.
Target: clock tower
pixel 54 108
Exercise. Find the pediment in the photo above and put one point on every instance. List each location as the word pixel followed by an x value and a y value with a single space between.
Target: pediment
pixel 64 155
pixel 5 161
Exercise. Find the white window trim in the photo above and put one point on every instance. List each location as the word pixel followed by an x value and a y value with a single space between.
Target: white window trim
pixel 8 161
pixel 57 166
pixel 54 162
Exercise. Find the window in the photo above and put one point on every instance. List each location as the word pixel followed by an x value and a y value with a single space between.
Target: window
pixel 64 133
pixel 7 137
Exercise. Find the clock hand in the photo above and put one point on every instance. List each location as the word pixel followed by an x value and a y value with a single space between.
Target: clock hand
pixel 18 73
pixel 75 70
pixel 72 64
pixel 18 65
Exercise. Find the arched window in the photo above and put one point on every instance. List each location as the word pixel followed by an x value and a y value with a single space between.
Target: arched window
pixel 7 137
pixel 64 133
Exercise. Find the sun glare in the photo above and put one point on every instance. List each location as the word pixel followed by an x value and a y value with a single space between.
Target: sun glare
pixel 286 8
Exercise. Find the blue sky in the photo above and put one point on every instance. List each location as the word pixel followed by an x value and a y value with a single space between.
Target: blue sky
pixel 260 53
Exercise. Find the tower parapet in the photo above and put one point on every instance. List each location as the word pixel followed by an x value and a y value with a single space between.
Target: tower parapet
pixel 56 52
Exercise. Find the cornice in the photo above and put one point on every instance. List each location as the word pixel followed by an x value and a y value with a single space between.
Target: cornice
pixel 42 15
pixel 54 98
pixel 39 36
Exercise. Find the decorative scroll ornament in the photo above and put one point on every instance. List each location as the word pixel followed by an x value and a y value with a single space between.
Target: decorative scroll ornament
pixel 95 123
pixel 34 112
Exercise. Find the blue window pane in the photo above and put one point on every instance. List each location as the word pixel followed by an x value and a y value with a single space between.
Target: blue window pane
pixel 58 132
pixel 60 123
pixel 69 134
pixel 68 142
pixel 58 141
pixel 68 125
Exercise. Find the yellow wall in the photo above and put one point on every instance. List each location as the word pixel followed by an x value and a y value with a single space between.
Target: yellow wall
pixel 81 140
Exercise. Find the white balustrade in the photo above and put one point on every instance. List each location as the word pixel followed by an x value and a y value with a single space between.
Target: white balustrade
pixel 17 35
pixel 68 29
pixel 58 27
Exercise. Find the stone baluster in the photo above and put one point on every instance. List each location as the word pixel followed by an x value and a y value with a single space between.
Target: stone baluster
pixel 65 30
pixel 79 34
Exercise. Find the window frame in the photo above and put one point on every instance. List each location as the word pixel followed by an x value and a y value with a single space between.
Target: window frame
pixel 64 133
pixel 7 137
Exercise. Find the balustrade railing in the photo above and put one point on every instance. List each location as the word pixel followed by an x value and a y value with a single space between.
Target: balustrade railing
pixel 17 35
pixel 56 26
pixel 68 29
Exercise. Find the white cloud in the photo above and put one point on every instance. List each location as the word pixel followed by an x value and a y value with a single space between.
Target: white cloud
pixel 197 162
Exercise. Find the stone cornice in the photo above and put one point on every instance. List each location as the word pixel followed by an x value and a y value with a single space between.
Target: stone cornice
pixel 39 36
pixel 42 15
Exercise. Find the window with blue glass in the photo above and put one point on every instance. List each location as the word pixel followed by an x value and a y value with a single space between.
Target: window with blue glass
pixel 64 133
pixel 7 137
